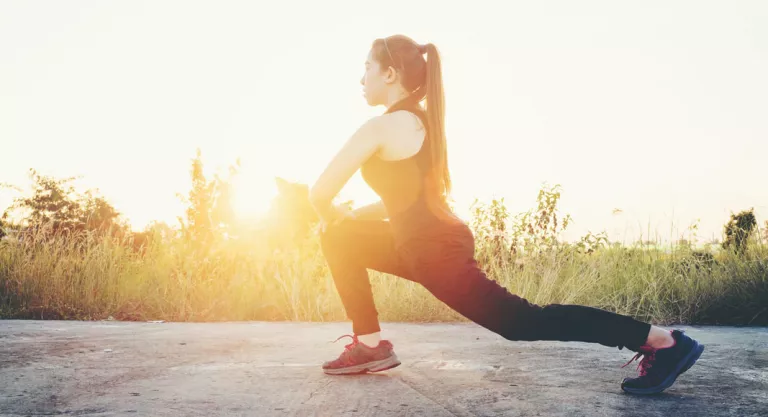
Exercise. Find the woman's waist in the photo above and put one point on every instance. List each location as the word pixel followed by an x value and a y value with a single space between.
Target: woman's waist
pixel 419 222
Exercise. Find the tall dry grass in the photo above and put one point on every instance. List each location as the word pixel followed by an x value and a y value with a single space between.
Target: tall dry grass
pixel 84 276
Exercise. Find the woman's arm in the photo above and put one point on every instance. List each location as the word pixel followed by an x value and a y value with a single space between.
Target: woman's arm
pixel 362 145
pixel 375 211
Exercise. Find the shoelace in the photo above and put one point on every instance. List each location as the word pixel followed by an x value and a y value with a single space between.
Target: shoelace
pixel 649 356
pixel 347 348
pixel 351 345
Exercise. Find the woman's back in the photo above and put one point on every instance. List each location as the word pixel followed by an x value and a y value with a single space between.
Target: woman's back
pixel 401 181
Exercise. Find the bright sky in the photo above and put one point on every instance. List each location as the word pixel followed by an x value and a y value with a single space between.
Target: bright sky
pixel 657 108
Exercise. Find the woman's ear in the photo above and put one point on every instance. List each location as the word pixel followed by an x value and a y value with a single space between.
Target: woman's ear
pixel 390 75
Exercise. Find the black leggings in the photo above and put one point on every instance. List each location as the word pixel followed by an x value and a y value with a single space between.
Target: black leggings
pixel 443 262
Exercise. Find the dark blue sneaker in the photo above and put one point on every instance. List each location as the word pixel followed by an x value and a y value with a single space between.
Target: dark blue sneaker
pixel 659 368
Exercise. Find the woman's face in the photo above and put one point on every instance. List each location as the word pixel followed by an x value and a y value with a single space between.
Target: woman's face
pixel 375 81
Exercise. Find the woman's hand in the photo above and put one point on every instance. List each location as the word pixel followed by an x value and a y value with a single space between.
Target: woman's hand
pixel 341 213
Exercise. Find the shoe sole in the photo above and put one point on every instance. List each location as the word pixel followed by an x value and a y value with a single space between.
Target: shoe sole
pixel 693 359
pixel 374 366
pixel 681 367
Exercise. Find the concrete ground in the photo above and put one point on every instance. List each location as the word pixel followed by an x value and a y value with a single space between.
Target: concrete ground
pixel 113 368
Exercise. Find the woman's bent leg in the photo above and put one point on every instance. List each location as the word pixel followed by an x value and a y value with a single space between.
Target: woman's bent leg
pixel 350 248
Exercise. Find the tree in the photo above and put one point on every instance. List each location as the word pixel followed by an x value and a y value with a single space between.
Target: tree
pixel 738 230
pixel 96 213
pixel 55 203
pixel 209 206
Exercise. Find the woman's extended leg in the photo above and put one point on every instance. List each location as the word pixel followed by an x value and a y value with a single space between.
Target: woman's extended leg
pixel 447 269
pixel 466 288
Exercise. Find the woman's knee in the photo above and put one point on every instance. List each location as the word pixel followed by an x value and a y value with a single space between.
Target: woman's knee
pixel 547 322
pixel 525 324
pixel 333 239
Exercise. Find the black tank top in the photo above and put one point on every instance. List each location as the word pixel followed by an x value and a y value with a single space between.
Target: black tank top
pixel 401 186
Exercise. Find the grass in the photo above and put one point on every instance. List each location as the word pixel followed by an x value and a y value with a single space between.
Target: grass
pixel 85 277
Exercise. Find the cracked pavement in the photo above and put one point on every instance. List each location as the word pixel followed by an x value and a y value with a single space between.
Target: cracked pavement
pixel 110 368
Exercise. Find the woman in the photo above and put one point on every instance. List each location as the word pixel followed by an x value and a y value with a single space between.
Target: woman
pixel 402 156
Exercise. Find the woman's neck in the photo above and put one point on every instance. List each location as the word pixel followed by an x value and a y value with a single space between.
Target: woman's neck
pixel 395 96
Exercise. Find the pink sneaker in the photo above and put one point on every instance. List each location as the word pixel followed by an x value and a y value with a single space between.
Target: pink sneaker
pixel 358 358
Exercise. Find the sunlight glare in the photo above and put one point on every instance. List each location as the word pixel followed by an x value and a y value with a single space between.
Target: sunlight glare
pixel 252 197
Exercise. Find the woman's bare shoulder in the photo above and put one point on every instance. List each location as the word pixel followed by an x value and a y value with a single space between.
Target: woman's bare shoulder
pixel 402 135
pixel 402 122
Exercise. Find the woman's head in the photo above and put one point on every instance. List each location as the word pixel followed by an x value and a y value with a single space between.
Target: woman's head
pixel 399 69
pixel 395 68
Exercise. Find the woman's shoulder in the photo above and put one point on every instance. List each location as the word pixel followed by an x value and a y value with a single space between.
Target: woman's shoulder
pixel 400 122
pixel 401 135
pixel 393 130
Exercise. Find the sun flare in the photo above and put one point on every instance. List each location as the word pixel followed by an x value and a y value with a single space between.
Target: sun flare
pixel 252 197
